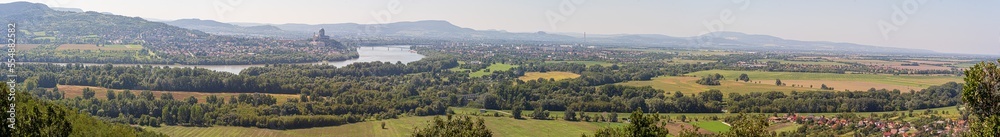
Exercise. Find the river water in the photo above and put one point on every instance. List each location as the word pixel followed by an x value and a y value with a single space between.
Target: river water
pixel 392 54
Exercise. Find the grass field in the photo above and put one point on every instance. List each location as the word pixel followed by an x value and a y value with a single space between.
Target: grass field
pixel 501 127
pixel 588 63
pixel 493 67
pixel 803 62
pixel 95 47
pixel 73 91
pixel 557 75
pixel 765 81
pixel 714 126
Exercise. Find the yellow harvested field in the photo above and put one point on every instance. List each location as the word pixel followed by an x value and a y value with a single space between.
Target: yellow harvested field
pixel 557 75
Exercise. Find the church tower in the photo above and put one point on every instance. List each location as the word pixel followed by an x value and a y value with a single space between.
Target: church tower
pixel 322 32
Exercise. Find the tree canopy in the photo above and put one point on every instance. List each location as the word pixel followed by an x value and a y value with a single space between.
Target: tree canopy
pixel 981 93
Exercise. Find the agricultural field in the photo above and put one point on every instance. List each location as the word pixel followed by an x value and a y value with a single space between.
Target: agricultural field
pixel 838 81
pixel 892 64
pixel 964 65
pixel 73 91
pixel 683 52
pixel 96 47
pixel 493 67
pixel 588 63
pixel 501 126
pixel 557 75
pixel 932 62
pixel 803 62
pixel 687 85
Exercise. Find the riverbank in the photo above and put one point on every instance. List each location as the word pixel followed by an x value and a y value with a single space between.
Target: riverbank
pixel 396 53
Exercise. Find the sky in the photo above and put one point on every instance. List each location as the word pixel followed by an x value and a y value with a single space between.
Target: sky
pixel 939 25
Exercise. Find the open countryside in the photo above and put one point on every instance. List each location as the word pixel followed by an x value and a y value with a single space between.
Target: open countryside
pixel 504 127
pixel 96 69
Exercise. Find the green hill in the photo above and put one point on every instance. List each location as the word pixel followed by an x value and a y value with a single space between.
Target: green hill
pixel 34 117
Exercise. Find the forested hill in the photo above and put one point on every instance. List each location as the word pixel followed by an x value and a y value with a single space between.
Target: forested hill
pixel 39 24
pixel 91 37
pixel 36 117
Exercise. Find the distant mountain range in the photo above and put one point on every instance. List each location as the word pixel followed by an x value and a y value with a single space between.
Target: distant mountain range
pixel 219 28
pixel 440 30
pixel 75 10
pixel 40 24
pixel 443 30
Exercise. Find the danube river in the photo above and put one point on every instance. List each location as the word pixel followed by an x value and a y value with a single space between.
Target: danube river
pixel 392 54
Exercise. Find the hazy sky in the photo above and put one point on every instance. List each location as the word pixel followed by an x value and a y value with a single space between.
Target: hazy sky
pixel 939 25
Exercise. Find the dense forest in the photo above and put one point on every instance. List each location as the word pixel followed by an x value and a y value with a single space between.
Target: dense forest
pixel 35 117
